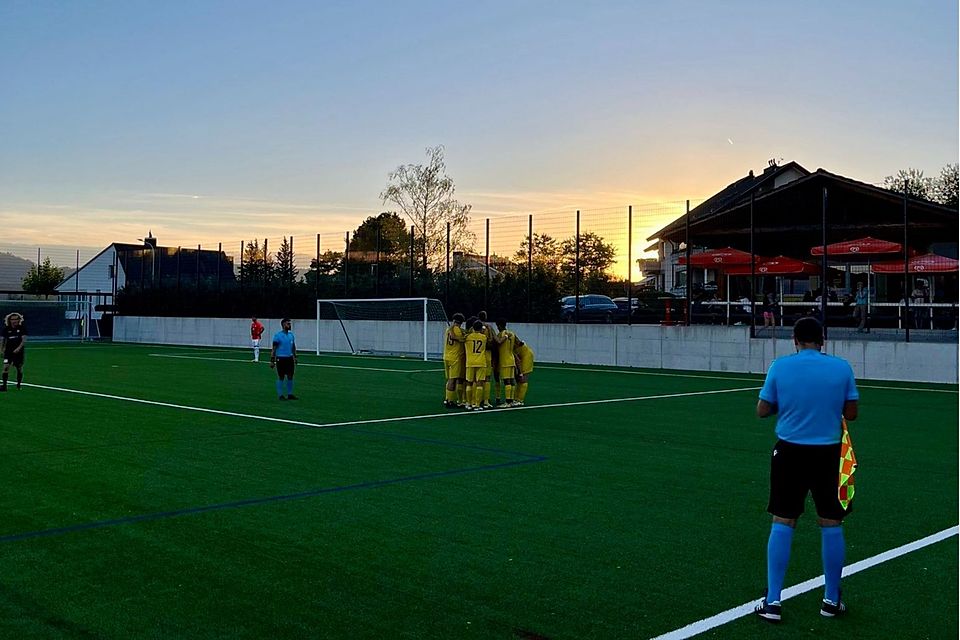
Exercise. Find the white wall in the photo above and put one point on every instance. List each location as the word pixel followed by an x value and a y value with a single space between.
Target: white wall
pixel 698 348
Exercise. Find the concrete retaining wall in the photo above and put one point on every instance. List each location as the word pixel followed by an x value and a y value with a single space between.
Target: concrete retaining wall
pixel 697 348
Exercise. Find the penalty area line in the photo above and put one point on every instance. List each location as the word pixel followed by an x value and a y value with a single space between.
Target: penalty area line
pixel 706 624
pixel 351 423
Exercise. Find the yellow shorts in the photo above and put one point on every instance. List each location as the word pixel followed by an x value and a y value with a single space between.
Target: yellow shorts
pixel 453 368
pixel 526 364
pixel 475 374
pixel 506 373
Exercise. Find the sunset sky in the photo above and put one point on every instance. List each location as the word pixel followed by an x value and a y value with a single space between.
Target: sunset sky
pixel 209 120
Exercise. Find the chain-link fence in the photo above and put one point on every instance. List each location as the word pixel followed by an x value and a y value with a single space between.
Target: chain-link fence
pixel 754 259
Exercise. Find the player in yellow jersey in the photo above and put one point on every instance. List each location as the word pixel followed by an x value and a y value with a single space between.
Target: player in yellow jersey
pixel 488 355
pixel 453 360
pixel 507 342
pixel 525 366
pixel 476 346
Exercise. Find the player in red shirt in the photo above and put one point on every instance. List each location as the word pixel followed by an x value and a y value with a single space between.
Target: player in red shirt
pixel 256 330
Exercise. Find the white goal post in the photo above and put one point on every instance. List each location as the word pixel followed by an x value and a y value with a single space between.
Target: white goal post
pixel 398 326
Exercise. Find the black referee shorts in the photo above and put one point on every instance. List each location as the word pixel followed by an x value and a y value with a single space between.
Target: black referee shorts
pixel 285 368
pixel 796 469
pixel 15 359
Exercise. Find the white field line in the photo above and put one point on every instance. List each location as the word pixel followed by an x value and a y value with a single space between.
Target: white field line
pixel 329 425
pixel 700 626
pixel 299 364
pixel 693 375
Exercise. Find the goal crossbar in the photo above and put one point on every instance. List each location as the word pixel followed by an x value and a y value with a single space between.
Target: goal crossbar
pixel 410 307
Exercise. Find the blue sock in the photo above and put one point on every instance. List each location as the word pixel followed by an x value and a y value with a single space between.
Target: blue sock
pixel 778 556
pixel 289 386
pixel 279 387
pixel 834 550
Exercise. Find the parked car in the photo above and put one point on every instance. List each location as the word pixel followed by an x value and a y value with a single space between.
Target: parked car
pixel 648 306
pixel 593 308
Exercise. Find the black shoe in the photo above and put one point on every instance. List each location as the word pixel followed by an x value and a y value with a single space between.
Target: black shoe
pixel 290 396
pixel 3 388
pixel 832 610
pixel 768 611
pixel 282 398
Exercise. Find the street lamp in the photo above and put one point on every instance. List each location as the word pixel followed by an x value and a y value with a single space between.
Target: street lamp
pixel 150 241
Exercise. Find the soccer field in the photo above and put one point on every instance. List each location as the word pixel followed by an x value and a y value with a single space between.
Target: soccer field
pixel 158 492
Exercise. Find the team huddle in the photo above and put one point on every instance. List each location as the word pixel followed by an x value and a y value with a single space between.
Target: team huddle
pixel 481 362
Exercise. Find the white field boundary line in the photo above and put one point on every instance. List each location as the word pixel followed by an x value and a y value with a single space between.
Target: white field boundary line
pixel 572 368
pixel 730 378
pixel 700 626
pixel 330 425
pixel 299 364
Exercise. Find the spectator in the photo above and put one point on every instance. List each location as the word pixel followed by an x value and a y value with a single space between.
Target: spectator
pixel 917 297
pixel 860 308
pixel 770 309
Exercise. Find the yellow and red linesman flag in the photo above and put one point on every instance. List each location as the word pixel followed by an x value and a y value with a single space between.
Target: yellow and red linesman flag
pixel 848 466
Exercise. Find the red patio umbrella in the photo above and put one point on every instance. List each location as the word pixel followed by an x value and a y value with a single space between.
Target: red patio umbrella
pixel 717 258
pixel 863 246
pixel 927 263
pixel 779 266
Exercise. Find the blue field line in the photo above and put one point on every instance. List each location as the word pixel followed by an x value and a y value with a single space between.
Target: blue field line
pixel 249 502
pixel 445 443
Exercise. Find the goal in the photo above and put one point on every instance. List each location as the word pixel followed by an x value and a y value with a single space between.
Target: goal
pixel 387 326
pixel 54 319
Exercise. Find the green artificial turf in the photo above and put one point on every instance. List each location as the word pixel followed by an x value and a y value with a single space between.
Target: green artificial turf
pixel 598 520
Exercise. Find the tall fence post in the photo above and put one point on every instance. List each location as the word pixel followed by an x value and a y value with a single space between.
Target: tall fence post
pixel 576 271
pixel 823 263
pixel 316 273
pixel 219 267
pixel 906 267
pixel 689 272
pixel 265 274
pixel 346 263
pixel 76 277
pixel 753 277
pixel 486 263
pixel 630 265
pixel 241 269
pixel 376 283
pixel 412 258
pixel 197 285
pixel 289 267
pixel 178 274
pixel 529 265
pixel 446 295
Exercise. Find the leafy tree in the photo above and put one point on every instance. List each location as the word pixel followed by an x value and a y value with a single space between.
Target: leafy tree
pixel 547 253
pixel 425 195
pixel 284 267
pixel 257 264
pixel 917 185
pixel 945 186
pixel 596 257
pixel 42 279
pixel 329 265
pixel 394 235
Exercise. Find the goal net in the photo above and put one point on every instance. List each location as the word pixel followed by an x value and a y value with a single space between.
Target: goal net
pixel 53 319
pixel 386 326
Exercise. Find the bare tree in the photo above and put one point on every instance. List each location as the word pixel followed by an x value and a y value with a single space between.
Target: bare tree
pixel 424 193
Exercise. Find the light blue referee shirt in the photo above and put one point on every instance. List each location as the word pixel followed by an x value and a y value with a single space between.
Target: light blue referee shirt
pixel 809 389
pixel 284 343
